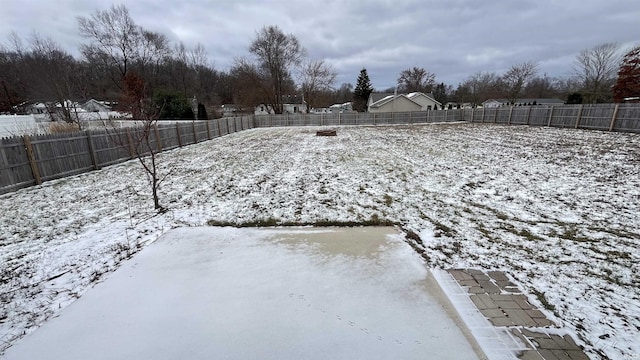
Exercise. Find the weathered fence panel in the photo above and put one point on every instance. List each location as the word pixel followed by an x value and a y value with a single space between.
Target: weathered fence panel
pixel 61 155
pixel 106 147
pixel 15 170
pixel 596 117
pixel 628 118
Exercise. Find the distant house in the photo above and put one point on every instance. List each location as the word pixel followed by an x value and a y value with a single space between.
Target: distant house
pixel 291 104
pixel 340 108
pixel 228 110
pixel 493 103
pixel 35 108
pixel 320 111
pixel 416 101
pixel 94 105
pixel 263 109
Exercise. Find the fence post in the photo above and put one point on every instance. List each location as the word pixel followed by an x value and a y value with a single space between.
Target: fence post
pixel 178 132
pixel 195 135
pixel 338 118
pixel 219 131
pixel 445 115
pixel 482 120
pixel 374 119
pixel 510 115
pixel 410 121
pixel 529 114
pixel 613 118
pixel 158 139
pixel 235 124
pixel 579 116
pixel 495 116
pixel 92 152
pixel 32 160
pixel 472 112
pixel 550 117
pixel 208 129
pixel 132 152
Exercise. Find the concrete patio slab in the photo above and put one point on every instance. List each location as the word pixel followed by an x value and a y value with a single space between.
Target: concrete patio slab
pixel 212 293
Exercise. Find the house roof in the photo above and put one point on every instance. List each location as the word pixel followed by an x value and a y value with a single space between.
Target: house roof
pixel 390 98
pixel 427 95
pixel 527 101
pixel 293 99
pixel 375 97
pixel 382 100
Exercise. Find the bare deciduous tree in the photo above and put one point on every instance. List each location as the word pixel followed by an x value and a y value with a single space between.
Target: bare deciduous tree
pixel 316 77
pixel 482 86
pixel 517 77
pixel 154 52
pixel 114 36
pixel 416 79
pixel 277 53
pixel 596 69
pixel 52 75
pixel 141 141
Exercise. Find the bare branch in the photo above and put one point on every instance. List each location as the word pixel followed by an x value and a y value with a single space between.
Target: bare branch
pixel 596 69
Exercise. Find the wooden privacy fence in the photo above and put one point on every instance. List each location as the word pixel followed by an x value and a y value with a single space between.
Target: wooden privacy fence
pixel 608 117
pixel 30 160
pixel 338 119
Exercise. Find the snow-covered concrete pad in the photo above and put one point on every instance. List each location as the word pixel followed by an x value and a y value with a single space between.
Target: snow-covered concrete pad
pixel 305 293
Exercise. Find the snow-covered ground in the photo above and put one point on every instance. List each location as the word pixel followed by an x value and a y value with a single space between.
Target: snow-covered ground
pixel 556 209
pixel 226 293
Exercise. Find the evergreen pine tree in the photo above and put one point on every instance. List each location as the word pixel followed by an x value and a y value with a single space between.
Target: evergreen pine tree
pixel 574 98
pixel 202 112
pixel 362 91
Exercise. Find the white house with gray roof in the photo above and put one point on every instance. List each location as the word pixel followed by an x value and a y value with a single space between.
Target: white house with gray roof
pixel 416 101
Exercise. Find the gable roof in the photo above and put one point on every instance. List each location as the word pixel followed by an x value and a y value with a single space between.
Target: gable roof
pixel 383 98
pixel 429 96
pixel 390 98
pixel 527 101
pixel 375 97
pixel 293 99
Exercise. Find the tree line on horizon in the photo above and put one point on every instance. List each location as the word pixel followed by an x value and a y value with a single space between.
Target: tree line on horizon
pixel 125 63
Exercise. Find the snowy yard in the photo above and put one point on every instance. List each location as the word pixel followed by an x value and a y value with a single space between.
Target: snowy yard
pixel 556 209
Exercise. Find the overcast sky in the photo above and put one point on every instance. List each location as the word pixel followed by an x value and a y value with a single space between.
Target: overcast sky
pixel 453 38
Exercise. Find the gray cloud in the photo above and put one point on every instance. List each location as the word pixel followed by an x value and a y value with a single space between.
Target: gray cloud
pixel 452 39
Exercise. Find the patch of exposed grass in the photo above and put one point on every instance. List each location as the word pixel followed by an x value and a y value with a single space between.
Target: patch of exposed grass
pixel 529 236
pixel 388 200
pixel 441 229
pixel 271 222
pixel 540 295
pixel 617 232
pixel 571 233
